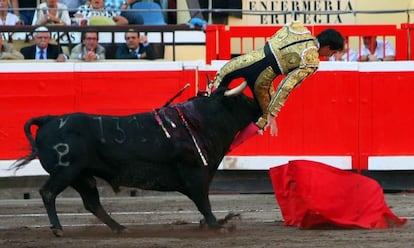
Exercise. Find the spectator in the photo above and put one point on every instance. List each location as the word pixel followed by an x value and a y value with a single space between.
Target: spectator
pixel 7 51
pixel 72 5
pixel 96 8
pixel 89 50
pixel 373 50
pixel 7 18
pixel 51 13
pixel 24 9
pixel 42 49
pixel 347 55
pixel 136 46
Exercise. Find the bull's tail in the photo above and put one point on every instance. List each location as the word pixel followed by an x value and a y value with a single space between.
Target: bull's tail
pixel 21 162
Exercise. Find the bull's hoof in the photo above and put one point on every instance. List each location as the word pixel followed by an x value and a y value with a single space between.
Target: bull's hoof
pixel 218 228
pixel 120 229
pixel 58 232
pixel 221 225
pixel 205 225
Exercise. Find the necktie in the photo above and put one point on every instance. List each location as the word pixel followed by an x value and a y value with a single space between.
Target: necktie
pixel 41 54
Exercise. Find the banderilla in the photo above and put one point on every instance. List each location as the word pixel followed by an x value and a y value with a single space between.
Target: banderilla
pixel 176 95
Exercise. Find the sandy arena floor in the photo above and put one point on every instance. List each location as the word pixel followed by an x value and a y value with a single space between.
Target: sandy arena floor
pixel 171 220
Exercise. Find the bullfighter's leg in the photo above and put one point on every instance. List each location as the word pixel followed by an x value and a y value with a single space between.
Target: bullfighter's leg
pixel 57 182
pixel 86 187
pixel 243 66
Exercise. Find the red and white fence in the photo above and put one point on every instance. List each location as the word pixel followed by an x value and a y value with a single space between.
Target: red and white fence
pixel 222 42
pixel 351 115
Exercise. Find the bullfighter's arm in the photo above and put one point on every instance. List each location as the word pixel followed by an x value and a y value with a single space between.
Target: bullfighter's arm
pixel 309 65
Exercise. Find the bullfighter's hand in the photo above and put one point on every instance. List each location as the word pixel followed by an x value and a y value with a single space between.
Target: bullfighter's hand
pixel 271 122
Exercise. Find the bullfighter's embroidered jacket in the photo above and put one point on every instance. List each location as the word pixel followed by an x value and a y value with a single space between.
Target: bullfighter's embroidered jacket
pixel 291 51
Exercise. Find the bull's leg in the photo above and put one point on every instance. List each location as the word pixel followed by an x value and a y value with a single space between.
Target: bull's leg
pixel 86 187
pixel 53 187
pixel 202 202
pixel 197 186
pixel 49 201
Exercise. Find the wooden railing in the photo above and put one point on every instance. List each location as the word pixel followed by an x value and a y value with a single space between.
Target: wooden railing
pixel 63 32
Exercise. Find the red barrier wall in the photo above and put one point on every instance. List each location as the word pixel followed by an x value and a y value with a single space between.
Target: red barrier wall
pixel 362 111
pixel 357 110
pixel 27 94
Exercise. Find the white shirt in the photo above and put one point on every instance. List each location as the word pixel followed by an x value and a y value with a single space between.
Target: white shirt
pixel 379 50
pixel 11 19
pixel 37 56
pixel 349 56
pixel 42 10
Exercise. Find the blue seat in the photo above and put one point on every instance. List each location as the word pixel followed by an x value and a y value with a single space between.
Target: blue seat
pixel 134 18
pixel 151 13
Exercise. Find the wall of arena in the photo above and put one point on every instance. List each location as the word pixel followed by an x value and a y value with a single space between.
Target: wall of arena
pixel 354 115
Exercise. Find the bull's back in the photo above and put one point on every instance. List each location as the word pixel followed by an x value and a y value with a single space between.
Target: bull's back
pixel 101 139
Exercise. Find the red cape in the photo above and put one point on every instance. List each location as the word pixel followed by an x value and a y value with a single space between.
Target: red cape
pixel 315 195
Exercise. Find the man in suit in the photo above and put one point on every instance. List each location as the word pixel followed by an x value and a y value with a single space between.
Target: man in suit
pixel 89 50
pixel 42 49
pixel 136 46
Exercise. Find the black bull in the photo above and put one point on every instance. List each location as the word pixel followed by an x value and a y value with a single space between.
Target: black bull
pixel 135 151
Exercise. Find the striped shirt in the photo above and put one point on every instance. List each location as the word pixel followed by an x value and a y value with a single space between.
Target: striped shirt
pixel 88 11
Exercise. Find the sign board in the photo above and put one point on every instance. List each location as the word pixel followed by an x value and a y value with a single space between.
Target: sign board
pixel 279 12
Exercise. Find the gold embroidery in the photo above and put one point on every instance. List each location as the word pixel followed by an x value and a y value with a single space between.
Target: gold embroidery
pixel 294 39
pixel 311 57
pixel 282 34
pixel 293 79
pixel 296 53
pixel 263 88
pixel 238 63
pixel 292 60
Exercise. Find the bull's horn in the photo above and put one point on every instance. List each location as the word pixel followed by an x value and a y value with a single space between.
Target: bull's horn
pixel 236 90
